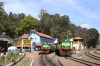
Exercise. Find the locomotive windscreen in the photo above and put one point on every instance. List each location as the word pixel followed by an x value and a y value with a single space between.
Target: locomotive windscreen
pixel 46 46
pixel 66 44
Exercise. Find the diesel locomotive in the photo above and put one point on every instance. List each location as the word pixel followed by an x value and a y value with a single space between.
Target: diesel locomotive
pixel 64 48
pixel 45 48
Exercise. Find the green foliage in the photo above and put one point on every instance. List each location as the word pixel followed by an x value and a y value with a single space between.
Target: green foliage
pixel 93 37
pixel 56 26
pixel 90 36
pixel 26 24
pixel 42 12
pixel 9 22
pixel 11 58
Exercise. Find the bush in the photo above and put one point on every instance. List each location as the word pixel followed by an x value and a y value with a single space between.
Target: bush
pixel 11 58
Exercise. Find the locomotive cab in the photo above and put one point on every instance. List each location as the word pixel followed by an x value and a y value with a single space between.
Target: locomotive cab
pixel 64 48
pixel 45 48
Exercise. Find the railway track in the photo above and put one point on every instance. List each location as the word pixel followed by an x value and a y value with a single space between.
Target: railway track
pixel 50 61
pixel 92 56
pixel 45 61
pixel 88 63
pixel 56 60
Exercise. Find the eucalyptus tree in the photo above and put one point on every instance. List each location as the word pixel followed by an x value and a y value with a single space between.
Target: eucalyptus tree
pixel 55 25
pixel 41 23
pixel 5 23
pixel 14 22
pixel 55 29
pixel 15 18
pixel 2 15
pixel 42 12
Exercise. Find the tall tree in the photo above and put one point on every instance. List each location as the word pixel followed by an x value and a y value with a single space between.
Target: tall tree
pixel 42 12
pixel 93 37
pixel 41 16
pixel 2 14
pixel 56 25
pixel 5 22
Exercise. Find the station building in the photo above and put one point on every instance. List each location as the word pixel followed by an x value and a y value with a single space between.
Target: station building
pixel 37 39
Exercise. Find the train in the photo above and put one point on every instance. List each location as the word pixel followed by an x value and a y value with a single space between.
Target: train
pixel 47 48
pixel 64 48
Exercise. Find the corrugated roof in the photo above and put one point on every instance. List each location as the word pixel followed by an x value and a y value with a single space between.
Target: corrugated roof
pixel 77 38
pixel 44 35
pixel 25 36
pixel 4 39
pixel 40 34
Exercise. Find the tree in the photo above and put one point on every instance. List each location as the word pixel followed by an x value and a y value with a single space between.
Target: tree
pixel 41 16
pixel 7 22
pixel 93 37
pixel 42 12
pixel 2 17
pixel 56 25
pixel 27 24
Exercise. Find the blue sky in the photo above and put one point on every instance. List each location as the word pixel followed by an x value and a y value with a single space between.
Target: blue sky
pixel 85 13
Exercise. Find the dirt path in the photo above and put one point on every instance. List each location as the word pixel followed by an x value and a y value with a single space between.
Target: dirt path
pixel 26 61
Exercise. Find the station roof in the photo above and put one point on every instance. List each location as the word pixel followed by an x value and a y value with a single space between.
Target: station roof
pixel 40 34
pixel 44 35
pixel 77 38
pixel 25 36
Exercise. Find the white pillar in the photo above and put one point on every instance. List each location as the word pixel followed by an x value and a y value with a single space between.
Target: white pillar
pixel 22 45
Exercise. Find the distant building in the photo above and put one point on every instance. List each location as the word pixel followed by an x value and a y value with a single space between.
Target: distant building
pixel 5 42
pixel 37 40
pixel 77 43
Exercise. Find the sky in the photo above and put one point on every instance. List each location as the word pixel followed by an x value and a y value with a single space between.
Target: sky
pixel 84 13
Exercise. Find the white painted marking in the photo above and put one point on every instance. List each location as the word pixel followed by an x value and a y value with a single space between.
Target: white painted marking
pixel 31 62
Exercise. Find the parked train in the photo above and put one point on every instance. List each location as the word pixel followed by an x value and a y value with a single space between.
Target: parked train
pixel 47 48
pixel 64 48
